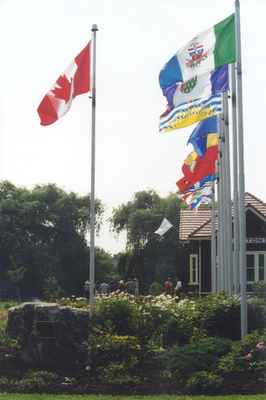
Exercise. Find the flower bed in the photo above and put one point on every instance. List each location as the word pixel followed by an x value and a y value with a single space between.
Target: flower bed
pixel 153 344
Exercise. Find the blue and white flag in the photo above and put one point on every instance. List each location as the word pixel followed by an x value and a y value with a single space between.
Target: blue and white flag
pixel 190 113
pixel 198 87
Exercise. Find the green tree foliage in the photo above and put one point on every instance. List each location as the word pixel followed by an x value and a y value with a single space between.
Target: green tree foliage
pixel 105 268
pixel 43 233
pixel 51 288
pixel 148 257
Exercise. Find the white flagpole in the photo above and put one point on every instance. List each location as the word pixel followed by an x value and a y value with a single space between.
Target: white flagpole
pixel 92 199
pixel 241 176
pixel 235 180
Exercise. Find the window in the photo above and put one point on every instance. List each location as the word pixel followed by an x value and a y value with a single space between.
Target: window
pixel 193 269
pixel 250 267
pixel 256 267
pixel 262 267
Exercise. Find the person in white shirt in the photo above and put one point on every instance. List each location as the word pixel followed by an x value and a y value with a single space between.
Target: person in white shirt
pixel 178 286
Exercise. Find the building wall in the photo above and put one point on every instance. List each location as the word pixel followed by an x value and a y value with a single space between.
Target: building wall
pixel 256 235
pixel 256 229
pixel 205 270
pixel 184 251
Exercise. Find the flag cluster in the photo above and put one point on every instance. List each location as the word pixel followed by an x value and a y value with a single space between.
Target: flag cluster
pixel 199 168
pixel 192 82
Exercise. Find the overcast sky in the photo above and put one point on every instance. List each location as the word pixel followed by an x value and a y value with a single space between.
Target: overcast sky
pixel 38 39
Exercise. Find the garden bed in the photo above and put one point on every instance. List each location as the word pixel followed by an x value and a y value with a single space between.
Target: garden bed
pixel 148 345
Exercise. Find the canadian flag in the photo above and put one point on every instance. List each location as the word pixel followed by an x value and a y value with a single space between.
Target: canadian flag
pixel 74 81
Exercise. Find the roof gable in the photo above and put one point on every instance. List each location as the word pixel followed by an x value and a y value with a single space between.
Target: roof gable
pixel 197 224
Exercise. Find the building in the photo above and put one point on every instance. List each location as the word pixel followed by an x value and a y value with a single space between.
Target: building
pixel 194 253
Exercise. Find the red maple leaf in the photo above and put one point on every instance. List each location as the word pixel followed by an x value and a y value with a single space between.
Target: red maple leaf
pixel 62 89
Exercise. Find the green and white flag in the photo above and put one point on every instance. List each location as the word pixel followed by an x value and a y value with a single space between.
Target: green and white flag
pixel 204 53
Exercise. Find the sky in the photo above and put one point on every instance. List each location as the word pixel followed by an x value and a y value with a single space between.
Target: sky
pixel 38 40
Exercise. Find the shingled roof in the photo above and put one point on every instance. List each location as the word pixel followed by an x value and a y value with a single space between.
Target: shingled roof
pixel 197 224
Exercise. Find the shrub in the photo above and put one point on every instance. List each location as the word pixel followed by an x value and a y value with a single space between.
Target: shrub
pixel 246 355
pixel 182 324
pixel 106 348
pixel 116 315
pixel 156 288
pixel 113 358
pixel 220 315
pixel 177 331
pixel 151 321
pixel 117 373
pixel 36 381
pixel 256 315
pixel 259 290
pixel 4 383
pixel 6 342
pixel 204 382
pixel 184 361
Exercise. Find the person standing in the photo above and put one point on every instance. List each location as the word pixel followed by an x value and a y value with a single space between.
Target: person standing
pixel 168 286
pixel 178 287
pixel 87 289
pixel 121 286
pixel 104 288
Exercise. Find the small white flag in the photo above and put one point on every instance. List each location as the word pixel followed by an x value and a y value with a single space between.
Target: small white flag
pixel 164 227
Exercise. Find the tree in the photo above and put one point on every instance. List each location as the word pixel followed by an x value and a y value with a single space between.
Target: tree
pixel 51 289
pixel 104 266
pixel 44 231
pixel 147 256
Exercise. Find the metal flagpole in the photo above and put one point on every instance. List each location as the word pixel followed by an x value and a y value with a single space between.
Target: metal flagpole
pixel 220 208
pixel 92 199
pixel 235 181
pixel 223 213
pixel 213 243
pixel 227 194
pixel 241 176
pixel 219 231
pixel 223 205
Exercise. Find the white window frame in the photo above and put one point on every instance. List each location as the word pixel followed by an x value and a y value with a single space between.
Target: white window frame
pixel 256 265
pixel 191 258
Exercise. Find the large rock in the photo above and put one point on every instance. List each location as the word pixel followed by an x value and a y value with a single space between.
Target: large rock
pixel 49 335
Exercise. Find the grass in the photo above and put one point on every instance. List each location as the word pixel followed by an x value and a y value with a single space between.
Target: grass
pixel 109 397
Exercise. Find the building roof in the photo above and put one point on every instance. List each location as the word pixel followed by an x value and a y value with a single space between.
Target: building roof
pixel 253 201
pixel 190 220
pixel 197 224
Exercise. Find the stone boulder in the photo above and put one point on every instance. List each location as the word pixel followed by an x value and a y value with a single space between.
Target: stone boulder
pixel 50 335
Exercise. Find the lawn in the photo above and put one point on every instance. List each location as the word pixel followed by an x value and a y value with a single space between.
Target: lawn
pixel 107 397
